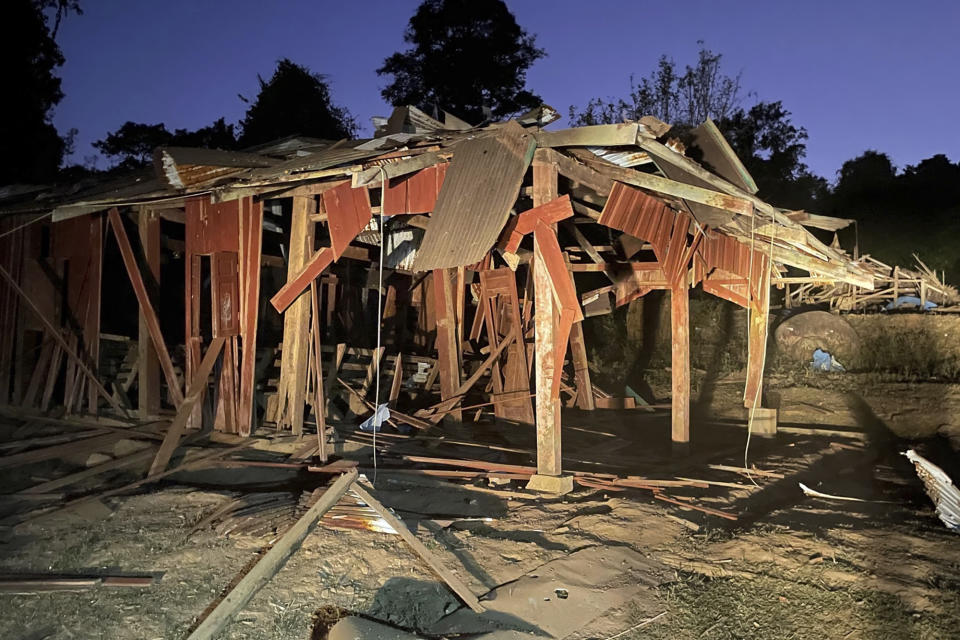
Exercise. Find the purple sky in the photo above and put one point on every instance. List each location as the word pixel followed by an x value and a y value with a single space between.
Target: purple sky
pixel 857 74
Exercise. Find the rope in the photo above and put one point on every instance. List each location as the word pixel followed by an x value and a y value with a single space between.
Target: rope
pixel 763 355
pixel 377 420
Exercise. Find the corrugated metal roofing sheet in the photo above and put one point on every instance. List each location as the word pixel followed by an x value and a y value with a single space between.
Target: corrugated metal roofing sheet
pixel 481 186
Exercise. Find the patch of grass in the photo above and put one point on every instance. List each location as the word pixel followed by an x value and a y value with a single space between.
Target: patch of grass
pixel 771 608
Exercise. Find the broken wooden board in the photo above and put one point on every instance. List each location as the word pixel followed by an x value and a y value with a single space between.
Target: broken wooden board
pixel 272 561
pixel 480 188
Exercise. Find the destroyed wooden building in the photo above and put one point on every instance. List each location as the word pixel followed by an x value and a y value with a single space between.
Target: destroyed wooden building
pixel 439 268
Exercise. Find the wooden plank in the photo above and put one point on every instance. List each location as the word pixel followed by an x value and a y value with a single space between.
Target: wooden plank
pixel 581 368
pixel 397 379
pixel 146 307
pixel 82 445
pixel 451 579
pixel 680 367
pixel 272 561
pixel 197 386
pixel 73 478
pixel 319 398
pixel 55 334
pixel 197 462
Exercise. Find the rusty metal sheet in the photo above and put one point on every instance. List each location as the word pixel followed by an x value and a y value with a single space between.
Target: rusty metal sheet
pixel 480 187
pixel 348 212
pixel 722 259
pixel 184 167
pixel 641 215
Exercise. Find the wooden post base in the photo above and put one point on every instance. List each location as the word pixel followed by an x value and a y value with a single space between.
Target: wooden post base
pixel 558 485
pixel 765 422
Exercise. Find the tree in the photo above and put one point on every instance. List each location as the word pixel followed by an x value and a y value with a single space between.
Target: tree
pixel 684 100
pixel 772 149
pixel 132 144
pixel 468 57
pixel 770 146
pixel 31 56
pixel 294 101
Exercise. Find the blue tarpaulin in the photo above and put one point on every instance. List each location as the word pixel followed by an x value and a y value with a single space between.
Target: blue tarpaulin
pixel 823 361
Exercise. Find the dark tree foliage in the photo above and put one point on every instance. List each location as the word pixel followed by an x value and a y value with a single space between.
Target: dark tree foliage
pixel 468 57
pixel 916 210
pixel 294 101
pixel 772 149
pixel 132 145
pixel 682 99
pixel 34 149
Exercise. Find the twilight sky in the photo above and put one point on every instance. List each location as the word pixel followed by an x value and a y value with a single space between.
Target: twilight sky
pixel 857 74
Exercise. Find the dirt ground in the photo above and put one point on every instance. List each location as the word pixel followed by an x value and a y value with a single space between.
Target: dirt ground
pixel 788 567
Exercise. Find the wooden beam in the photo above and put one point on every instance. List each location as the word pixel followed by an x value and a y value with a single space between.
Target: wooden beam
pixel 197 386
pixel 148 376
pixel 680 367
pixel 448 351
pixel 272 561
pixel 146 307
pixel 455 583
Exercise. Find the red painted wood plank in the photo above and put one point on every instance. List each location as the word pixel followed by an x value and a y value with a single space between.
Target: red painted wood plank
pixel 292 290
pixel 348 212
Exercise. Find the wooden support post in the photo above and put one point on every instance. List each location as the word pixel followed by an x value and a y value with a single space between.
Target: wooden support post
pixel 291 394
pixel 148 377
pixel 319 403
pixel 549 465
pixel 251 245
pixel 680 367
pixel 197 386
pixel 578 353
pixel 272 561
pixel 146 307
pixel 91 324
pixel 448 351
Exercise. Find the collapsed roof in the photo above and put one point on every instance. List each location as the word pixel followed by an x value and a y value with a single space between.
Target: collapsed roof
pixel 607 167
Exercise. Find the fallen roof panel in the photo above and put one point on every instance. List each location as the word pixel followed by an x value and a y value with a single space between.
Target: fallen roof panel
pixel 481 186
